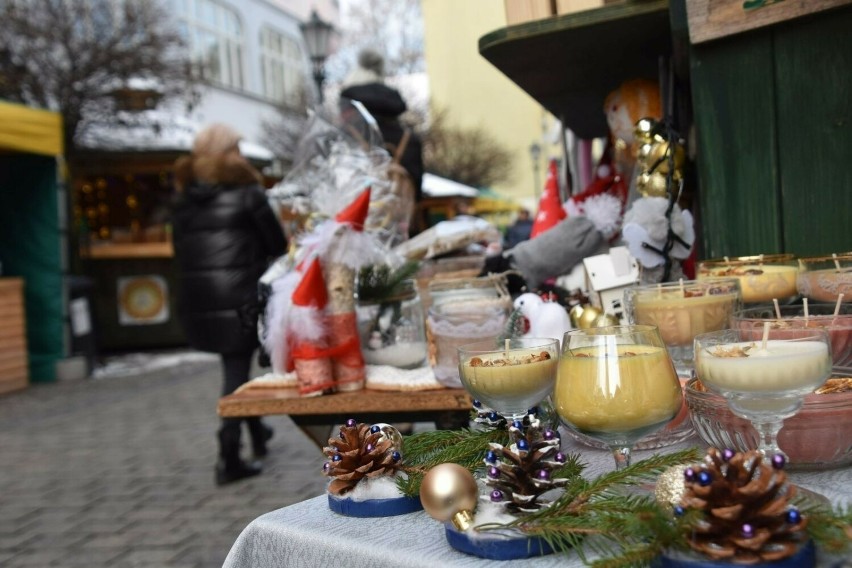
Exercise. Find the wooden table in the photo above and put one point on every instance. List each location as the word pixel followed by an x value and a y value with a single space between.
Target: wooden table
pixel 315 415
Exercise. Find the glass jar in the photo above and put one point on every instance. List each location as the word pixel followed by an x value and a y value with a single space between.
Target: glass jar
pixel 392 331
pixel 762 278
pixel 452 324
pixel 825 278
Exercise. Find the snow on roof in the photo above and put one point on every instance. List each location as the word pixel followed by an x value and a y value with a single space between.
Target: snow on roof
pixel 152 131
pixel 436 186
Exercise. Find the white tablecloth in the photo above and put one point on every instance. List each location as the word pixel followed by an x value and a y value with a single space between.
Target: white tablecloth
pixel 309 534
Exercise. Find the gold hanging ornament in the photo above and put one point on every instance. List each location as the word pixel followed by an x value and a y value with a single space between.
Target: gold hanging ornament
pixel 449 492
pixel 653 159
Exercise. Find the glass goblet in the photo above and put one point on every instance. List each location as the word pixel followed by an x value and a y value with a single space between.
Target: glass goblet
pixel 681 310
pixel 616 384
pixel 509 376
pixel 764 374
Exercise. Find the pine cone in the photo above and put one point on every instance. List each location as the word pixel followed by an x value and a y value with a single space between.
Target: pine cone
pixel 522 472
pixel 360 452
pixel 747 517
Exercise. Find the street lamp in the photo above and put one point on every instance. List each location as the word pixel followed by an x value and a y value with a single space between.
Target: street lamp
pixel 535 154
pixel 318 35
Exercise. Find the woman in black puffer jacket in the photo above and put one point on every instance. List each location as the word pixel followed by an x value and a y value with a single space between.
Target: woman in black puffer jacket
pixel 225 234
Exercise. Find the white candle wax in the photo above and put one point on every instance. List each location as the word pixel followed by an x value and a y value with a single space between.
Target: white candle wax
pixel 782 366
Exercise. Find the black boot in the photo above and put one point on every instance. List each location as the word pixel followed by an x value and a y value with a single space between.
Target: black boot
pixel 259 433
pixel 231 467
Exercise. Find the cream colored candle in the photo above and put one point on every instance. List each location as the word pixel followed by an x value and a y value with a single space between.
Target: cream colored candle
pixel 782 366
pixel 680 318
pixel 758 282
pixel 826 285
pixel 635 390
pixel 518 378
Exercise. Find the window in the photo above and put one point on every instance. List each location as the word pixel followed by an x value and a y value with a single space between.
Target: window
pixel 215 36
pixel 281 65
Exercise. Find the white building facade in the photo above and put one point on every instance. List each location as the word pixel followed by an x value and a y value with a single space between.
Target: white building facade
pixel 252 57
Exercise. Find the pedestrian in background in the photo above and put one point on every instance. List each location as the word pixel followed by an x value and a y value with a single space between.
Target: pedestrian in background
pixel 225 234
pixel 366 84
pixel 519 231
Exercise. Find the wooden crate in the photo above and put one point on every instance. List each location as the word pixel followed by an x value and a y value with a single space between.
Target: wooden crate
pixel 520 11
pixel 571 6
pixel 14 371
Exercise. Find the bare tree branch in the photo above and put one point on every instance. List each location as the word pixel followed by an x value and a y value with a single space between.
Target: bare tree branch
pixel 72 55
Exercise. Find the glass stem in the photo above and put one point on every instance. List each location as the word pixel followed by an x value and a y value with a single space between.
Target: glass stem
pixel 622 456
pixel 768 432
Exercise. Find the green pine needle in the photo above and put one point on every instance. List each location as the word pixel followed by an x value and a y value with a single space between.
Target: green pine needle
pixel 379 282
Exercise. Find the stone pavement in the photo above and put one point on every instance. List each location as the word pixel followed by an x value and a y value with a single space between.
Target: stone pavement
pixel 118 471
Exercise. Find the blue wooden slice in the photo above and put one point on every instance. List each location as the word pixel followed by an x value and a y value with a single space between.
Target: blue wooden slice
pixel 495 547
pixel 374 507
pixel 804 558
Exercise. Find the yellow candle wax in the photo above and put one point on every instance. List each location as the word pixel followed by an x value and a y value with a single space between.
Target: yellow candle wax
pixel 512 377
pixel 637 389
pixel 680 318
pixel 758 282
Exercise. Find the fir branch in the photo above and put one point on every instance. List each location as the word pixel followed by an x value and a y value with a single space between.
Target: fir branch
pixel 830 529
pixel 425 450
pixel 378 282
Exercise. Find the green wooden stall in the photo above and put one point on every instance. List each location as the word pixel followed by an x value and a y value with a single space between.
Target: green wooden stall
pixel 30 237
pixel 773 120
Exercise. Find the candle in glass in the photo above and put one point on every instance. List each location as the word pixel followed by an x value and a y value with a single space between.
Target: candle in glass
pixel 682 310
pixel 645 398
pixel 825 278
pixel 836 319
pixel 616 384
pixel 762 277
pixel 510 377
pixel 764 381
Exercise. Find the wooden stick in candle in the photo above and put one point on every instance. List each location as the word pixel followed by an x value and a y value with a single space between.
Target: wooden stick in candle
pixel 805 303
pixel 727 260
pixel 766 325
pixel 777 308
pixel 682 291
pixel 837 308
pixel 836 261
pixel 506 348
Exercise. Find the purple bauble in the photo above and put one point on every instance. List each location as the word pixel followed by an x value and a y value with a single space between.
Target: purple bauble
pixel 549 434
pixel 543 474
pixel 689 474
pixel 559 457
pixel 779 461
pixel 369 448
pixel 747 530
pixel 351 423
pixel 496 495
pixel 493 472
pixel 728 454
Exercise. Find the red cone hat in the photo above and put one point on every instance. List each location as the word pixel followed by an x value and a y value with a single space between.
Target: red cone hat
pixel 356 213
pixel 311 290
pixel 550 211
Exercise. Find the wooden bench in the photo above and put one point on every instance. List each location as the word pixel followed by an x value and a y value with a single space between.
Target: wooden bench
pixel 315 415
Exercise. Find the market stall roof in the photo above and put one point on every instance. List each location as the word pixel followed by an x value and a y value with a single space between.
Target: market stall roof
pixel 151 131
pixel 436 186
pixel 26 129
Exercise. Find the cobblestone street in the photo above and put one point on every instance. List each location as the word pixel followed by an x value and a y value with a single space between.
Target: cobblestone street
pixel 118 471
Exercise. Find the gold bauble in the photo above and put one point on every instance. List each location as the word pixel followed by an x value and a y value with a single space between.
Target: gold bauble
pixel 574 314
pixel 606 320
pixel 670 487
pixel 652 185
pixel 659 153
pixel 390 433
pixel 588 317
pixel 448 491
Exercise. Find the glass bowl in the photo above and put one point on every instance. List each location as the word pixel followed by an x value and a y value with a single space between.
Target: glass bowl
pixel 677 430
pixel 762 278
pixel 839 327
pixel 824 278
pixel 819 436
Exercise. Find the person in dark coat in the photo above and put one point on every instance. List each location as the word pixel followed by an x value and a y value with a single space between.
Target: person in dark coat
pixel 225 234
pixel 366 85
pixel 519 231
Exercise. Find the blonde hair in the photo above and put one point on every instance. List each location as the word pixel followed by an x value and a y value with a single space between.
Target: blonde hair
pixel 216 139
